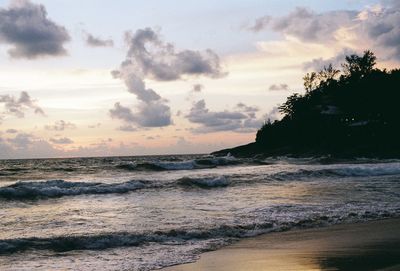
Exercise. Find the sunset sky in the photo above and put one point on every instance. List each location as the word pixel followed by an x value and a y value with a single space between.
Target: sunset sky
pixel 99 78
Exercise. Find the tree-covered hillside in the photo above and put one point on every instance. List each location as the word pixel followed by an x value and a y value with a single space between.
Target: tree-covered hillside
pixel 350 112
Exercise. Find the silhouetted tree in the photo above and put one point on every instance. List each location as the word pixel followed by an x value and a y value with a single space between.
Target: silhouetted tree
pixel 356 113
pixel 357 66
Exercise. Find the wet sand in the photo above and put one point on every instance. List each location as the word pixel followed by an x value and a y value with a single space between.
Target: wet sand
pixel 365 246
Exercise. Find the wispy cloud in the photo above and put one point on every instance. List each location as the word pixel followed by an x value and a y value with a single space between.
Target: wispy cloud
pixel 18 106
pixel 278 87
pixel 62 140
pixel 60 125
pixel 97 41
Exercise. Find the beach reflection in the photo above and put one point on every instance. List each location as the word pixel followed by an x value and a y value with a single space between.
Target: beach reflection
pixel 355 247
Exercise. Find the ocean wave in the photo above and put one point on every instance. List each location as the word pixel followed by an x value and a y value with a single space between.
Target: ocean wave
pixel 124 239
pixel 147 166
pixel 59 188
pixel 201 163
pixel 225 232
pixel 364 170
pixel 368 170
pixel 220 181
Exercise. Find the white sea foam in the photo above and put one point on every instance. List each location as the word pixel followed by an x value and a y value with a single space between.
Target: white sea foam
pixel 169 211
pixel 59 188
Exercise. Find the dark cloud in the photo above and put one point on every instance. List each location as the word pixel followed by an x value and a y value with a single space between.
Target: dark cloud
pixel 137 86
pixel 62 141
pixel 122 113
pixel 60 125
pixel 279 87
pixel 150 57
pixel 98 42
pixel 242 120
pixel 151 114
pixel 25 26
pixel 18 106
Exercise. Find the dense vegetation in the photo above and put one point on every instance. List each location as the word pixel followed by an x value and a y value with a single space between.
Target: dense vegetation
pixel 352 112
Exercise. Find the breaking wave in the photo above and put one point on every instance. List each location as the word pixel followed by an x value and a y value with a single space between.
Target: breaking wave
pixel 225 233
pixel 59 188
pixel 123 239
pixel 360 170
pixel 207 162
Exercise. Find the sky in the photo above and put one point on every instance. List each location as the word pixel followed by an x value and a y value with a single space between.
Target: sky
pixel 106 78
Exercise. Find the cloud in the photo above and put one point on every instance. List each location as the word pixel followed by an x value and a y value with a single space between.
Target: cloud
pixel 12 131
pixel 273 114
pixel 242 120
pixel 247 109
pixel 318 64
pixel 260 24
pixel 97 125
pixel 381 25
pixel 60 125
pixel 25 145
pixel 149 56
pixel 279 87
pixel 25 26
pixel 98 42
pixel 18 106
pixel 150 114
pixel 63 140
pixel 122 112
pixel 137 86
pixel 197 87
pixel 306 24
pixel 22 140
pixel 127 128
pixel 37 147
pixel 376 27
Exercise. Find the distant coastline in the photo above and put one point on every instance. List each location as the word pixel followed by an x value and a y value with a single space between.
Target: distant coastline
pixel 353 112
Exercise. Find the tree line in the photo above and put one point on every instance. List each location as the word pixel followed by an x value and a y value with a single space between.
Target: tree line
pixel 353 111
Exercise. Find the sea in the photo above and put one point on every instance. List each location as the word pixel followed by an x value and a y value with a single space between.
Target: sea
pixel 149 212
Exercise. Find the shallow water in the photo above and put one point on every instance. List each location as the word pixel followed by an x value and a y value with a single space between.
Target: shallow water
pixel 143 213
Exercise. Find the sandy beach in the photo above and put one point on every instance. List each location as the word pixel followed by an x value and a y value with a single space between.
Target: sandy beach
pixel 364 246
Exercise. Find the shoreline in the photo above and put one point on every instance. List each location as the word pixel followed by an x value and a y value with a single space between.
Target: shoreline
pixel 373 245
